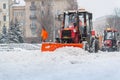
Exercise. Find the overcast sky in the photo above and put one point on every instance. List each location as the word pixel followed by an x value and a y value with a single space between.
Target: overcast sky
pixel 99 7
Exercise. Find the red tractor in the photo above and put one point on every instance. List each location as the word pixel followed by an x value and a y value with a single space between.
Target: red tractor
pixel 75 31
pixel 110 40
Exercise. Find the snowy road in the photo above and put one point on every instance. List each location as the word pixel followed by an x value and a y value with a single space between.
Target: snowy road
pixel 63 64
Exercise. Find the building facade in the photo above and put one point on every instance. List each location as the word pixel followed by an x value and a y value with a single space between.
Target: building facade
pixel 4 13
pixel 31 24
pixel 18 13
pixel 101 23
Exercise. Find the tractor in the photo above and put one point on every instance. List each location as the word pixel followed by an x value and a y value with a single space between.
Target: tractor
pixel 76 31
pixel 110 41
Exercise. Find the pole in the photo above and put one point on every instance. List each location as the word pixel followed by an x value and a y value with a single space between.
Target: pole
pixel 10 4
pixel 9 13
pixel 53 5
pixel 54 29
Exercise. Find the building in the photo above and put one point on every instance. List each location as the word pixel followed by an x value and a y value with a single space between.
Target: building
pixel 32 15
pixel 41 13
pixel 101 23
pixel 18 13
pixel 31 24
pixel 5 13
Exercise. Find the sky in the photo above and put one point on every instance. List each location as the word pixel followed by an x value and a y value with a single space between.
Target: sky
pixel 21 3
pixel 99 7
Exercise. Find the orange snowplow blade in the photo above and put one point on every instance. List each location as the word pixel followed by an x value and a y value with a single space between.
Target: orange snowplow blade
pixel 53 46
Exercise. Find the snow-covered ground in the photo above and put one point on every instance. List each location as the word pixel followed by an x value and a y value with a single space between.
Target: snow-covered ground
pixel 62 64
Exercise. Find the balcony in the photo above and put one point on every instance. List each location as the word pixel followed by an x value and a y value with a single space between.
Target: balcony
pixel 0 10
pixel 33 17
pixel 33 7
pixel 33 26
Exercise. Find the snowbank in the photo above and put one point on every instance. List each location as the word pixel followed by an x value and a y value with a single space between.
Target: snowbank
pixel 66 63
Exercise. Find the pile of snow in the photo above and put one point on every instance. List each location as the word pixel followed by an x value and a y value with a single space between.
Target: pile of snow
pixel 66 63
pixel 67 55
pixel 19 47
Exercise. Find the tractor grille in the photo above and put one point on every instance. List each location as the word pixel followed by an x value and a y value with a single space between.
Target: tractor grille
pixel 66 34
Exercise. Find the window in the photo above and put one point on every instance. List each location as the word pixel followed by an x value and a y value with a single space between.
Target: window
pixel 33 13
pixel 4 6
pixel 22 13
pixel 42 3
pixel 32 3
pixel 4 18
pixel 109 35
pixel 33 27
pixel 48 12
pixel 15 14
pixel 42 13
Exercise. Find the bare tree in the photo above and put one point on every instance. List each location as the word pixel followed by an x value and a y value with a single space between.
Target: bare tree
pixel 72 4
pixel 110 21
pixel 45 17
pixel 114 20
pixel 117 18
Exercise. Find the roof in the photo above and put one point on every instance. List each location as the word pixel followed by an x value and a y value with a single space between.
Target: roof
pixel 20 3
pixel 111 29
pixel 79 10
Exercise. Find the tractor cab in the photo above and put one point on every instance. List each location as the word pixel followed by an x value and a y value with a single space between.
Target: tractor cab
pixel 110 34
pixel 76 31
pixel 77 26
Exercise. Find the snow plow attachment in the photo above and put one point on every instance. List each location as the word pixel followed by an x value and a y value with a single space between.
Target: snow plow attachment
pixel 53 46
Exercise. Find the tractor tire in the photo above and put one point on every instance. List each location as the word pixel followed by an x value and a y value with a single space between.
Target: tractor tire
pixel 86 47
pixel 96 46
pixel 93 47
pixel 118 47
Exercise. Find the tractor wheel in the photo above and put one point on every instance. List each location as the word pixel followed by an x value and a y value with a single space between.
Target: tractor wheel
pixel 96 46
pixel 118 47
pixel 86 47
